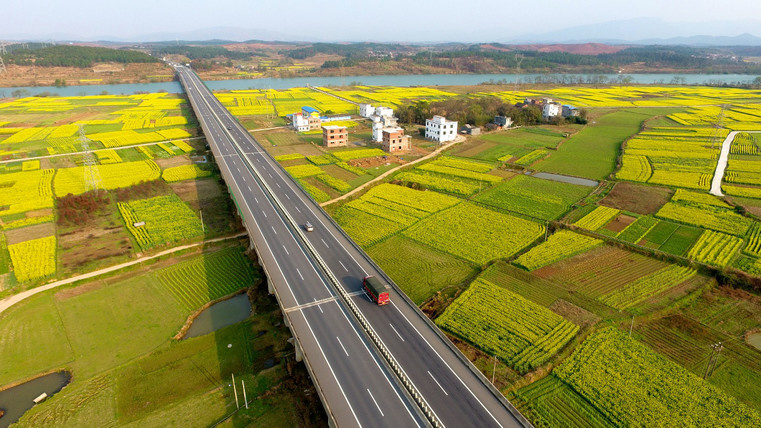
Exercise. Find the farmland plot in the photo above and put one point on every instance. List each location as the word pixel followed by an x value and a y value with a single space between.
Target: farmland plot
pixel 502 323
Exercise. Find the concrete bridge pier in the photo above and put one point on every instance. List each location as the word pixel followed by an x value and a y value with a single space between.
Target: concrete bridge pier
pixel 297 348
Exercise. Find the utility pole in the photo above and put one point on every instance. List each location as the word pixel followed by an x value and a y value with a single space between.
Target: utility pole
pixel 631 327
pixel 494 370
pixel 243 385
pixel 203 228
pixel 235 391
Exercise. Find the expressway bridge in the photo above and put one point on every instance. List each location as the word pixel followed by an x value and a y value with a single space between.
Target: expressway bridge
pixel 371 365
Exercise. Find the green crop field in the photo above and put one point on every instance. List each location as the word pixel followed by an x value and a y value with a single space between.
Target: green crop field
pixel 715 248
pixel 634 386
pixel 557 247
pixel 502 323
pixel 552 403
pixel 637 230
pixel 474 233
pixel 167 220
pixel 643 288
pixel 195 282
pixel 601 271
pixel 591 153
pixel 419 270
pixel 719 219
pixel 536 197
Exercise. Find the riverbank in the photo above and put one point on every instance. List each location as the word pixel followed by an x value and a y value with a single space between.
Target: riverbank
pixel 382 80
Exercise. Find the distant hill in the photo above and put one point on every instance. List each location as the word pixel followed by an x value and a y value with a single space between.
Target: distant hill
pixel 72 56
pixel 578 49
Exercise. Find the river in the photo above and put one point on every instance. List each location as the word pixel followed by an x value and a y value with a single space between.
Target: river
pixel 396 80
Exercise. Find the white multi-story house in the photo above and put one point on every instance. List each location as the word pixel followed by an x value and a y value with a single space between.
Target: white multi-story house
pixel 300 123
pixel 551 110
pixel 439 129
pixel 382 122
pixel 366 110
pixel 384 111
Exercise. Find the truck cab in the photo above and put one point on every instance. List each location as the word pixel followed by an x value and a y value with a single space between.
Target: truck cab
pixel 375 290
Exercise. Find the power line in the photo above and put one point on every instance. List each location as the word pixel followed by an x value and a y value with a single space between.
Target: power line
pixel 91 172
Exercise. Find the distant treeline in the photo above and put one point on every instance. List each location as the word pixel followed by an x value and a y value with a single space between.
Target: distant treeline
pixel 200 52
pixel 348 51
pixel 475 58
pixel 72 56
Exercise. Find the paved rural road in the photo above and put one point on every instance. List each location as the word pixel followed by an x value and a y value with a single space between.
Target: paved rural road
pixel 456 392
pixel 721 165
pixel 12 300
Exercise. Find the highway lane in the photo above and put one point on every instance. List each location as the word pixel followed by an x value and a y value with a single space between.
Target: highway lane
pixel 362 389
pixel 450 387
pixel 435 369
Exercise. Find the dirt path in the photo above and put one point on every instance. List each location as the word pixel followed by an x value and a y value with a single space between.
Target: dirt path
pixel 12 300
pixel 458 140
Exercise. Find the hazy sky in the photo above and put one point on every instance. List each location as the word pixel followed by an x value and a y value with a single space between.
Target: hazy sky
pixel 410 20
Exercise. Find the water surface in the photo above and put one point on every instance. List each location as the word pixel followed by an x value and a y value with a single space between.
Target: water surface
pixel 17 400
pixel 222 314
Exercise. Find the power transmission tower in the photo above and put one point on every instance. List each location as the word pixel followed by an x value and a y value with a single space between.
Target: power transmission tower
pixel 718 126
pixel 715 351
pixel 2 52
pixel 92 174
pixel 518 61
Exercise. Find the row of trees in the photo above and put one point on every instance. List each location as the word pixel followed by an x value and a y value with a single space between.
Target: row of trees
pixel 475 111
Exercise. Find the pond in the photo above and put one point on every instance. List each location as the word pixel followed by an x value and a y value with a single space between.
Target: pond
pixel 218 315
pixel 565 179
pixel 17 400
pixel 754 340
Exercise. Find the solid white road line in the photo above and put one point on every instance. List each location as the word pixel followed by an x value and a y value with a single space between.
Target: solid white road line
pixel 342 346
pixel 376 403
pixel 437 382
pixel 397 333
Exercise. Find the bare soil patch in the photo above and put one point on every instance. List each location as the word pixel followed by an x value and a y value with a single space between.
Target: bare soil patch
pixel 99 74
pixel 173 161
pixel 68 293
pixel 377 161
pixel 620 223
pixel 475 147
pixel 636 198
pixel 573 313
pixel 340 173
pixel 31 232
pixel 193 190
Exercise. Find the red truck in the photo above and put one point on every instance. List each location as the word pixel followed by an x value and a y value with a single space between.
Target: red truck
pixel 375 289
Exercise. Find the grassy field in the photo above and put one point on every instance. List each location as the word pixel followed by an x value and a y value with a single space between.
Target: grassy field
pixel 535 197
pixel 592 152
pixel 476 234
pixel 90 330
pixel 418 269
